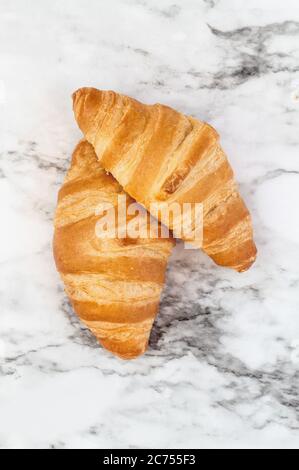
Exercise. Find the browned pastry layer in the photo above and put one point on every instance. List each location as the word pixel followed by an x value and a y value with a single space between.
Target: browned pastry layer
pixel 114 284
pixel 158 154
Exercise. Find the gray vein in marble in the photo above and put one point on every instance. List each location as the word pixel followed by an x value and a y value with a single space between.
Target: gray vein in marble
pixel 211 3
pixel 274 174
pixel 257 61
pixel 170 12
pixel 31 153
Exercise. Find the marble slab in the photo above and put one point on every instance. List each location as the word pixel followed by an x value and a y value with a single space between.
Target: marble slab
pixel 222 369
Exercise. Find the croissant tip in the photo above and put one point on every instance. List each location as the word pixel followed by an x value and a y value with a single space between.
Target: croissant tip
pixel 248 265
pixel 84 90
pixel 124 350
pixel 76 94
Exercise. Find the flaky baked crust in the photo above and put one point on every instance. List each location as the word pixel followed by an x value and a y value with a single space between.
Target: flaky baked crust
pixel 158 154
pixel 114 284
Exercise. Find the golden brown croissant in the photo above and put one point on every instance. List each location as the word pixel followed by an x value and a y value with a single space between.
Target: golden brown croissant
pixel 158 154
pixel 114 284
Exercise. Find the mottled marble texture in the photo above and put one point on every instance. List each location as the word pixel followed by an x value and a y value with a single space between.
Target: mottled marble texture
pixel 222 369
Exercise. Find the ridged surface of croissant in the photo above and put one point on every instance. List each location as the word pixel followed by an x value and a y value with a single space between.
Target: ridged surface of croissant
pixel 114 284
pixel 158 154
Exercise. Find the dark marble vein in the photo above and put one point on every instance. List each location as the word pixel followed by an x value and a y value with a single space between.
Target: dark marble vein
pixel 248 48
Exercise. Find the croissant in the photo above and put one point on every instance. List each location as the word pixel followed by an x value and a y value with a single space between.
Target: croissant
pixel 114 284
pixel 160 155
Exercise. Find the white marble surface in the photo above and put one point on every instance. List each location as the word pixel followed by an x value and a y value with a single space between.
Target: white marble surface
pixel 223 366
